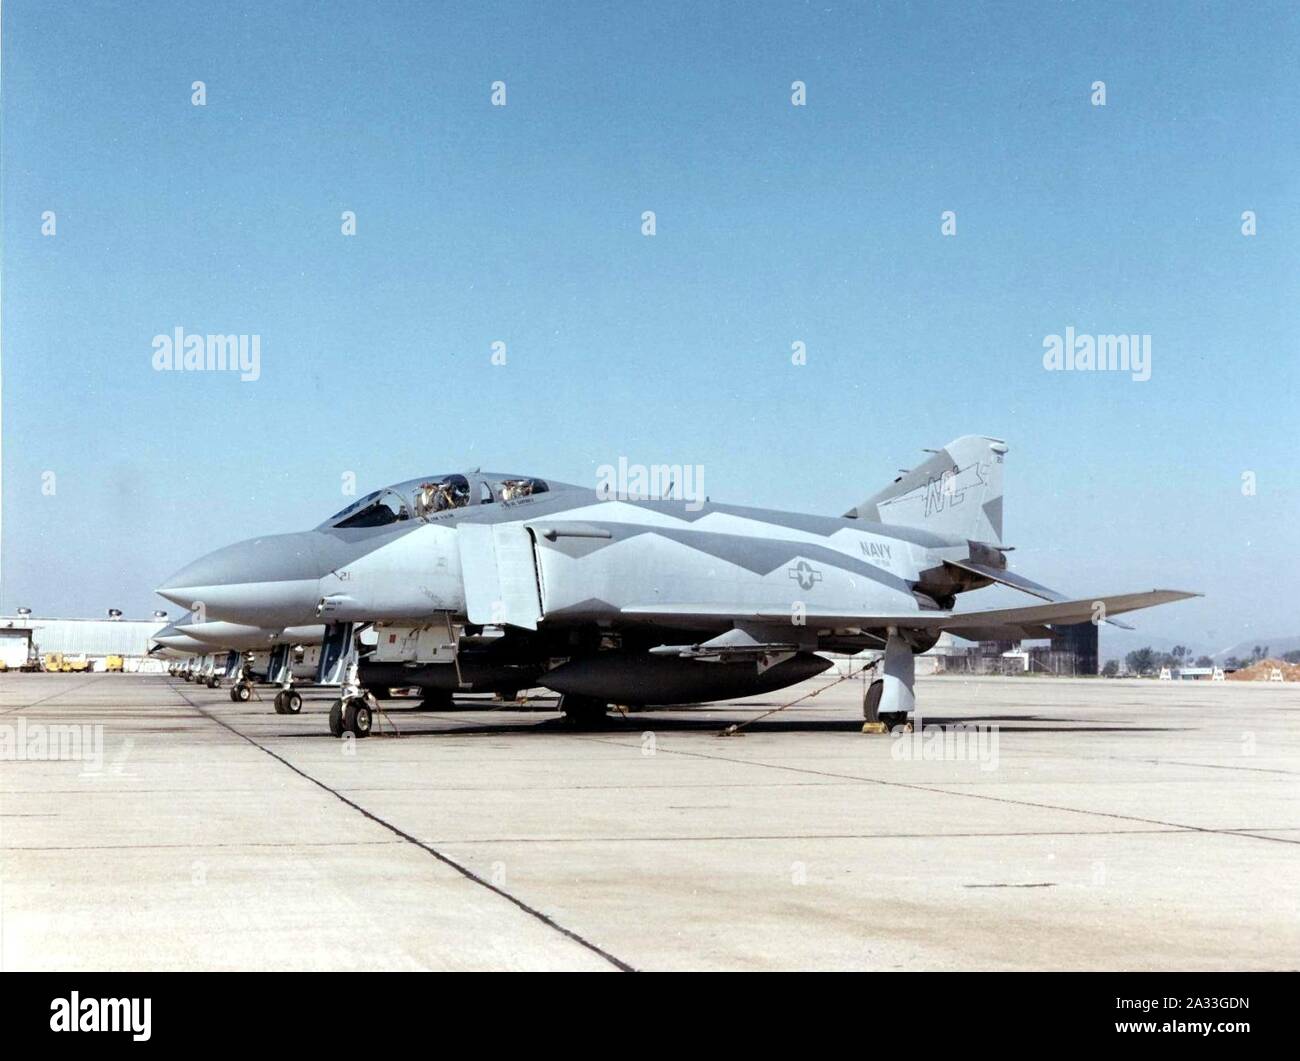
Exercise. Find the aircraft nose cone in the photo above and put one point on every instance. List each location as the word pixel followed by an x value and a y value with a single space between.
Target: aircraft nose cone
pixel 261 581
pixel 181 642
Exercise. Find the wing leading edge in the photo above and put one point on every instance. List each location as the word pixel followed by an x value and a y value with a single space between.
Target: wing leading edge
pixel 1025 585
pixel 1029 621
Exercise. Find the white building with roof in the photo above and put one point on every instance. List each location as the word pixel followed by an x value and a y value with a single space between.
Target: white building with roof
pixel 91 639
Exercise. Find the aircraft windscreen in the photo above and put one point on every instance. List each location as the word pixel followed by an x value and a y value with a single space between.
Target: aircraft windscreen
pixel 374 510
pixel 428 496
pixel 356 506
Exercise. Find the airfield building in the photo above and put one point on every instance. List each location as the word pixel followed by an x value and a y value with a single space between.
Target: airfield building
pixel 1077 643
pixel 93 640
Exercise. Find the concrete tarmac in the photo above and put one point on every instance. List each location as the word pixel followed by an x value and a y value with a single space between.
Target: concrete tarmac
pixel 1082 824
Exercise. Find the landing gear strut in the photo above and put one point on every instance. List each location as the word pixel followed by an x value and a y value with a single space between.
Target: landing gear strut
pixel 242 691
pixel 351 712
pixel 890 697
pixel 287 700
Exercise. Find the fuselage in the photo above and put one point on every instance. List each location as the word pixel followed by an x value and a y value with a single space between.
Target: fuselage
pixel 585 560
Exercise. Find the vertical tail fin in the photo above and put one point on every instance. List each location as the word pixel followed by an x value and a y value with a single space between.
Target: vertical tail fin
pixel 956 492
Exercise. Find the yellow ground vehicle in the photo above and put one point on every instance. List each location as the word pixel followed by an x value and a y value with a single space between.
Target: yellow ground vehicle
pixel 58 663
pixel 113 664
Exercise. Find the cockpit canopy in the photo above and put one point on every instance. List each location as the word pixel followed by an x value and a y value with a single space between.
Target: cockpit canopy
pixel 428 496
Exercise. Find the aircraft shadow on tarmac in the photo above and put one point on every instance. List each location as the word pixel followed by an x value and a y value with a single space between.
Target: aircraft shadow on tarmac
pixel 403 720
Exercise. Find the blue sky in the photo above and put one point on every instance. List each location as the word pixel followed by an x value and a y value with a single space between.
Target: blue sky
pixel 774 224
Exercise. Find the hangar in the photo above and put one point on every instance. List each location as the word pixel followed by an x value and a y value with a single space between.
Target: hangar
pixel 94 640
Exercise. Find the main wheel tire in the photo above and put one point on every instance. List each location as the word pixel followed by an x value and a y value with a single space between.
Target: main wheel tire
pixel 336 718
pixel 356 718
pixel 292 703
pixel 871 701
pixel 279 702
pixel 233 691
pixel 241 693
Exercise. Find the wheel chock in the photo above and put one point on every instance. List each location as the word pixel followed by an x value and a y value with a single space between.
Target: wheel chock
pixel 874 727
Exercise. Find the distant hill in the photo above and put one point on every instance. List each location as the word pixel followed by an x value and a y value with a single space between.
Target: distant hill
pixel 1115 643
pixel 1277 646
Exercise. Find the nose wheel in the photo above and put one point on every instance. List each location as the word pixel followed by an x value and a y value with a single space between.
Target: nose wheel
pixel 287 702
pixel 241 692
pixel 351 716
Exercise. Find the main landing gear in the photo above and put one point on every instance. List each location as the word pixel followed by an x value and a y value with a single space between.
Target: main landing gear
pixel 871 707
pixel 890 697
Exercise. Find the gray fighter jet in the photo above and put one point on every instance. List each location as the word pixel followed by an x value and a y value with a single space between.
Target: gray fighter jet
pixel 279 656
pixel 219 650
pixel 194 660
pixel 491 582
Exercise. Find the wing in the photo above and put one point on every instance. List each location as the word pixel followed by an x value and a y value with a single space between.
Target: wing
pixel 1002 622
pixel 1025 585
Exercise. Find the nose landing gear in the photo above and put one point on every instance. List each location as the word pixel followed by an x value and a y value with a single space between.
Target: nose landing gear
pixel 288 702
pixel 351 716
pixel 242 689
pixel 352 711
